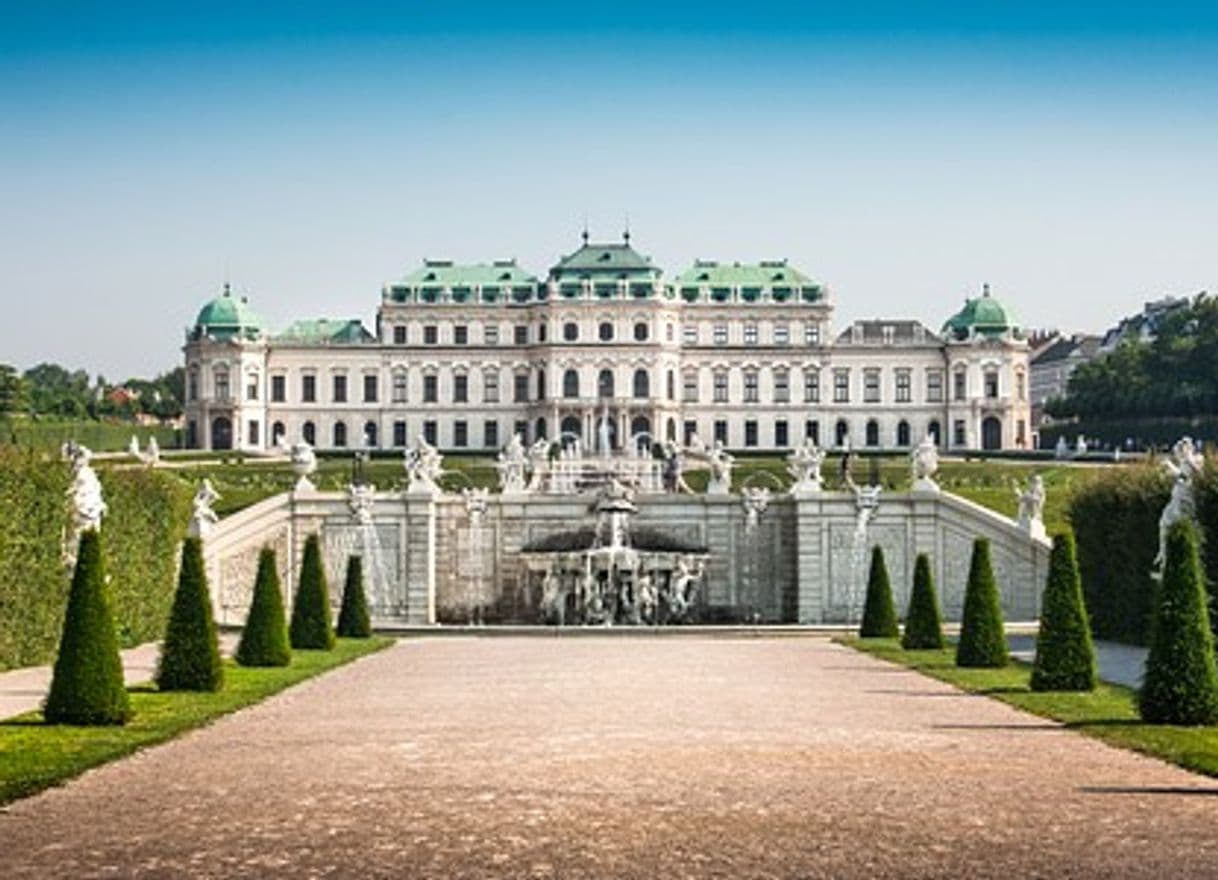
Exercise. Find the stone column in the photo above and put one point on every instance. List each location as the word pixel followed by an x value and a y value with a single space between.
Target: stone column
pixel 420 557
pixel 811 558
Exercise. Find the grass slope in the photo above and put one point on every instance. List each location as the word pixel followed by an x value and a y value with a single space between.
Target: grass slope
pixel 1108 713
pixel 35 756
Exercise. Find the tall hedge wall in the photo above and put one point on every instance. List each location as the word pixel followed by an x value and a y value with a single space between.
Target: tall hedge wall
pixel 1115 519
pixel 145 523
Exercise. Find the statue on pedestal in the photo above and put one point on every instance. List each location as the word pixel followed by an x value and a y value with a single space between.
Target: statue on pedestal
pixel 720 470
pixel 1032 507
pixel 424 466
pixel 202 517
pixel 511 465
pixel 85 493
pixel 924 461
pixel 1186 466
pixel 304 464
pixel 804 464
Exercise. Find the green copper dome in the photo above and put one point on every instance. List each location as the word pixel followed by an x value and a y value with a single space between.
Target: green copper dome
pixel 227 316
pixel 984 315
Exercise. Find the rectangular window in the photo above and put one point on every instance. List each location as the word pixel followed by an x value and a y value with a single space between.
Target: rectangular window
pixel 750 333
pixel 811 333
pixel 340 389
pixel 871 386
pixel 689 334
pixel 252 433
pixel 811 386
pixel 750 386
pixel 431 335
pixel 812 431
pixel 490 434
pixel 279 389
pixel 781 434
pixel 691 431
pixel 520 392
pixel 960 385
pixel 782 386
pixel 904 387
pixel 399 334
pixel 521 428
pixel 460 388
pixel 399 387
pixel 460 433
pixel 934 386
pixel 399 433
pixel 460 335
pixel 841 386
pixel 308 389
pixel 991 385
pixel 750 432
pixel 370 389
pixel 431 432
pixel 490 388
pixel 689 387
pixel 431 389
pixel 1021 389
pixel 251 390
pixel 520 334
pixel 721 431
pixel 721 334
pixel 958 438
pixel 720 386
pixel 221 382
pixel 782 334
pixel 490 334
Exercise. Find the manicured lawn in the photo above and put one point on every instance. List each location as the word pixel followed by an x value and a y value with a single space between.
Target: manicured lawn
pixel 34 755
pixel 1109 713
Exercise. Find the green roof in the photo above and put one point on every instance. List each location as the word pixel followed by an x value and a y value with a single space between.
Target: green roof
pixel 605 262
pixel 446 273
pixel 227 316
pixel 984 315
pixel 781 280
pixel 325 331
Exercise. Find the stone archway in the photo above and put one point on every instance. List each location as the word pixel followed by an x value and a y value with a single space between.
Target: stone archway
pixel 991 433
pixel 222 433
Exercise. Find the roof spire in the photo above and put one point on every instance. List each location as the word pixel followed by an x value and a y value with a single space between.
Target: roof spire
pixel 626 231
pixel 985 289
pixel 584 234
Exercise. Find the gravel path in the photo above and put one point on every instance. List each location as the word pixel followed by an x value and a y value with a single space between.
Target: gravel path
pixel 636 757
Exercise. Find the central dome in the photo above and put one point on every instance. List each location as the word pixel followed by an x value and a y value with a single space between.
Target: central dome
pixel 227 316
pixel 984 315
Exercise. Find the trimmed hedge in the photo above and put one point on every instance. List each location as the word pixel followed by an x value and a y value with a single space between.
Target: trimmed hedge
pixel 264 639
pixel 310 628
pixel 190 656
pixel 923 623
pixel 1181 682
pixel 87 684
pixel 148 512
pixel 1065 655
pixel 983 641
pixel 353 619
pixel 879 615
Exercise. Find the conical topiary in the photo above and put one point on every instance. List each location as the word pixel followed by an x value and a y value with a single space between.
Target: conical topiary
pixel 264 640
pixel 1180 685
pixel 310 627
pixel 983 642
pixel 87 684
pixel 353 621
pixel 879 615
pixel 190 656
pixel 1065 655
pixel 923 625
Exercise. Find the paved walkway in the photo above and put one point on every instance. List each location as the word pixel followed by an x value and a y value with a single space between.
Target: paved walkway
pixel 639 757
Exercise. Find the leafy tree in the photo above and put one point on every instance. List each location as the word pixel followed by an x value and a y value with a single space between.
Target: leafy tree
pixel 87 683
pixel 879 615
pixel 923 625
pixel 1065 655
pixel 12 391
pixel 190 656
pixel 310 626
pixel 353 620
pixel 1180 685
pixel 264 640
pixel 982 642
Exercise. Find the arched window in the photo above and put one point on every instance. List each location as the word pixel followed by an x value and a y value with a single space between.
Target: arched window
pixel 640 432
pixel 541 384
pixel 277 434
pixel 340 434
pixel 570 383
pixel 370 435
pixel 570 430
pixel 641 331
pixel 605 331
pixel 642 383
pixel 932 431
pixel 841 432
pixel 671 431
pixel 308 433
pixel 873 432
pixel 604 383
pixel 570 331
pixel 541 429
pixel 902 433
pixel 672 385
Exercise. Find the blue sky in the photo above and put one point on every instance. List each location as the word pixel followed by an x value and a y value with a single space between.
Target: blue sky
pixel 902 153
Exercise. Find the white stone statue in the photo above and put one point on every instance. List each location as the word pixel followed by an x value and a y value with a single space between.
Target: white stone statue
pixel 360 497
pixel 1032 507
pixel 1062 449
pixel 720 470
pixel 645 598
pixel 756 500
pixel 202 517
pixel 604 441
pixel 304 464
pixel 1186 466
pixel 153 455
pixel 539 462
pixel 424 466
pixel 1080 446
pixel 133 448
pixel 552 604
pixel 513 461
pixel 673 469
pixel 85 493
pixel 804 464
pixel 924 461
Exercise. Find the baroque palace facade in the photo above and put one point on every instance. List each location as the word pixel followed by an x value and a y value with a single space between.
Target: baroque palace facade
pixel 467 355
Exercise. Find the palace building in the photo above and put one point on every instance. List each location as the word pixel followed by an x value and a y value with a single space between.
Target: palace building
pixel 744 354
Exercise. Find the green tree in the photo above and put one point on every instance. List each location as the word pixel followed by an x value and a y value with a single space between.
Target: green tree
pixel 310 626
pixel 87 683
pixel 264 640
pixel 353 620
pixel 12 391
pixel 190 655
pixel 879 615
pixel 1065 655
pixel 923 624
pixel 1180 685
pixel 983 642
